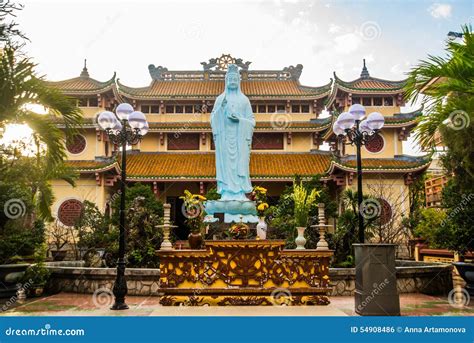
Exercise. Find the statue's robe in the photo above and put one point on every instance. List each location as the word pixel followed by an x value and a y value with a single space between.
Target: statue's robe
pixel 233 141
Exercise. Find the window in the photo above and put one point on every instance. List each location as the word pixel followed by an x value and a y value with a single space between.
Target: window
pixel 183 141
pixel 169 109
pixel 356 100
pixel 188 109
pixel 254 108
pixel 281 108
pixel 271 108
pixel 367 101
pixel 305 108
pixel 377 101
pixel 145 108
pixel 178 109
pixel 375 144
pixel 76 144
pixel 83 102
pixel 267 141
pixel 262 109
pixel 70 211
pixel 295 108
pixel 155 109
pixel 386 213
pixel 388 101
pixel 93 102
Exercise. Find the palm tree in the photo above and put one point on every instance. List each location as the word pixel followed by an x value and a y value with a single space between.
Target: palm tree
pixel 445 86
pixel 21 87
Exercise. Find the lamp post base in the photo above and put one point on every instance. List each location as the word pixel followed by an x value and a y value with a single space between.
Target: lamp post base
pixel 117 306
pixel 120 289
pixel 376 281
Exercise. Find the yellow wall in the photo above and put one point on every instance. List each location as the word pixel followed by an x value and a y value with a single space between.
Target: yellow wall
pixel 86 189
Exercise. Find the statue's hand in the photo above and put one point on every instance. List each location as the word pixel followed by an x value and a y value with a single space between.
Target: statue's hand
pixel 234 117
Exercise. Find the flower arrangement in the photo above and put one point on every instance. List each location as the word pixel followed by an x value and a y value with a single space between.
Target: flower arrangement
pixel 304 200
pixel 239 231
pixel 193 210
pixel 259 195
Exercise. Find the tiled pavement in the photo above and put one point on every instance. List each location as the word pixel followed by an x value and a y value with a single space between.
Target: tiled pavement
pixel 67 304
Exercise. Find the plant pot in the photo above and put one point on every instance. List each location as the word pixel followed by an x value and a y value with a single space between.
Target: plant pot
pixel 466 271
pixel 10 275
pixel 261 228
pixel 195 240
pixel 58 255
pixel 376 291
pixel 300 240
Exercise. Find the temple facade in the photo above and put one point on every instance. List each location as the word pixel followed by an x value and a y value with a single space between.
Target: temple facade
pixel 293 135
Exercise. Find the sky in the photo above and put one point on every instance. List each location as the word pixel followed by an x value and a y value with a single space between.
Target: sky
pixel 325 36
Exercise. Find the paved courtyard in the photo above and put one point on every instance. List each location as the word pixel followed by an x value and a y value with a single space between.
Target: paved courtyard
pixel 68 304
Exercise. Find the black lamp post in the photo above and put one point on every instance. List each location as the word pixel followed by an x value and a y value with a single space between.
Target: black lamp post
pixel 124 127
pixel 358 132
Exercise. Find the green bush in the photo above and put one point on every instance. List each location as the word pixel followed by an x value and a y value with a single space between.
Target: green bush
pixel 432 227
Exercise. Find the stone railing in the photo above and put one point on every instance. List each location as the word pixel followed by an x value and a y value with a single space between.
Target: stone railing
pixel 412 277
pixel 88 280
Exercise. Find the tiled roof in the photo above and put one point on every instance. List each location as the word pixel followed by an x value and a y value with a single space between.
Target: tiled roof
pixel 403 118
pixel 177 166
pixel 369 85
pixel 400 163
pixel 263 166
pixel 83 85
pixel 212 88
pixel 91 165
pixel 260 125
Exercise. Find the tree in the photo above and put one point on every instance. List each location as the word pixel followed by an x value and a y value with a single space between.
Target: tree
pixel 446 87
pixel 21 87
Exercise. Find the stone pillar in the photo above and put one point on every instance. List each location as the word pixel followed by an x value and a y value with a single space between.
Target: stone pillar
pixel 322 244
pixel 166 244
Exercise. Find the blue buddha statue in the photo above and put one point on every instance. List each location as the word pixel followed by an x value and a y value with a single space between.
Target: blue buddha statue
pixel 232 123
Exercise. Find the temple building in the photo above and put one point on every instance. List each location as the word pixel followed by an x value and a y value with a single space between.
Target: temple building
pixel 293 121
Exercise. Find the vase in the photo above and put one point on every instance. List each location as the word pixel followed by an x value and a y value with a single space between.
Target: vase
pixel 300 240
pixel 195 240
pixel 261 228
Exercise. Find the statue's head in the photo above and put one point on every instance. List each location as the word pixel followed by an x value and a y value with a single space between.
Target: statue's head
pixel 232 77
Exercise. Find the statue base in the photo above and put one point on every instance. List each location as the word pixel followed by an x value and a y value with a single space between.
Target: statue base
pixel 234 211
pixel 242 273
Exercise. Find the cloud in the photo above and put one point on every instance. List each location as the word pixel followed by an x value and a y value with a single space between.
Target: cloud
pixel 440 11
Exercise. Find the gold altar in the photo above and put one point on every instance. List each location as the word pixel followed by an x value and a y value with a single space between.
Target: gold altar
pixel 244 272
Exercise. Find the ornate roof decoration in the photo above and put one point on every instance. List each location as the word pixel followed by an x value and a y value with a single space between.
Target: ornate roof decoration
pixel 85 72
pixel 215 69
pixel 398 164
pixel 84 84
pixel 221 63
pixel 365 73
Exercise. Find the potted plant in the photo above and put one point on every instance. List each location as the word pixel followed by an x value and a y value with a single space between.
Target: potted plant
pixel 37 275
pixel 259 195
pixel 193 210
pixel 59 238
pixel 304 200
